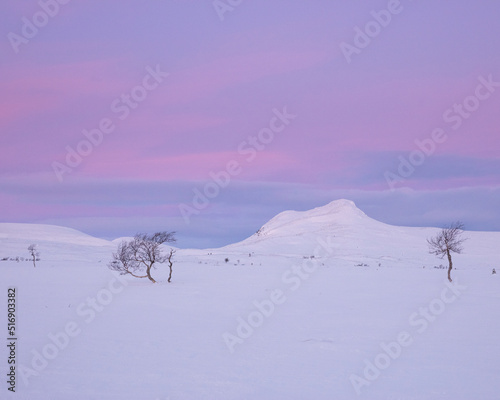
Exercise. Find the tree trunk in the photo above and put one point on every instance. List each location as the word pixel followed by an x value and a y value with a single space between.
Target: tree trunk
pixel 136 276
pixel 148 272
pixel 34 265
pixel 170 266
pixel 450 263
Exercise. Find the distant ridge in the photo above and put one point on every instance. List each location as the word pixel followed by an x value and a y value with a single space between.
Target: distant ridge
pixel 48 233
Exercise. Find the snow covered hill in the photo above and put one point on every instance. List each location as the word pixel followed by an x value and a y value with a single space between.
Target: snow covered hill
pixel 359 239
pixel 53 243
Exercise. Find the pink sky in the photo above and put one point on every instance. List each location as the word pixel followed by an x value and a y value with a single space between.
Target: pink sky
pixel 225 79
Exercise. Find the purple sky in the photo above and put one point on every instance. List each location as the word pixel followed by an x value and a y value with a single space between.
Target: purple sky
pixel 358 113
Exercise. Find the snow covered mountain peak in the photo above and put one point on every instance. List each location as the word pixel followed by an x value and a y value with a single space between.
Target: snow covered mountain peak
pixel 339 212
pixel 342 206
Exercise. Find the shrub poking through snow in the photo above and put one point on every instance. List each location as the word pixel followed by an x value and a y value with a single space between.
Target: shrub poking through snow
pixel 34 253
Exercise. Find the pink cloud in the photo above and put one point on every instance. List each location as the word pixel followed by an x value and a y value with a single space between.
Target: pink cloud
pixel 198 166
pixel 390 115
pixel 27 91
pixel 165 124
pixel 225 72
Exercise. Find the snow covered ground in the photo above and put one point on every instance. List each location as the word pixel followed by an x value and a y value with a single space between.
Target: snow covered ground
pixel 322 304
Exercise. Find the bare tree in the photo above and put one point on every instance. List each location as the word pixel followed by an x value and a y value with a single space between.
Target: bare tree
pixel 448 241
pixel 123 261
pixel 34 253
pixel 169 259
pixel 139 256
